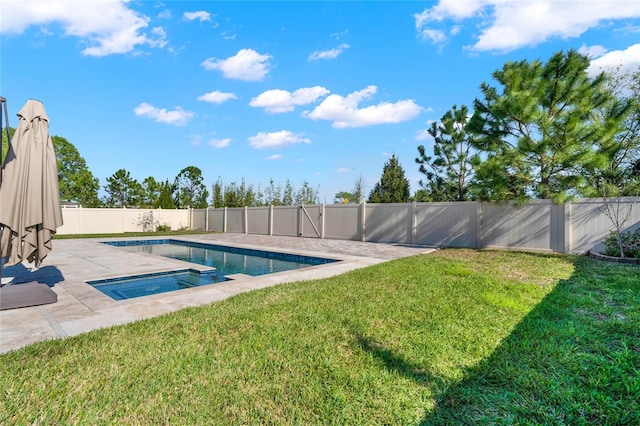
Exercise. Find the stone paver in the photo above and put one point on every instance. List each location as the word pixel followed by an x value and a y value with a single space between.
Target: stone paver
pixel 81 308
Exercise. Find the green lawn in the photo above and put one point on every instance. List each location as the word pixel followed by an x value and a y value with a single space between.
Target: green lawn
pixel 454 337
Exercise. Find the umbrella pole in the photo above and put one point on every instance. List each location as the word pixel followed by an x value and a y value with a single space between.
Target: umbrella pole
pixel 3 104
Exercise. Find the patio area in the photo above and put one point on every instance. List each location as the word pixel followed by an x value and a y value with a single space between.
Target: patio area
pixel 81 308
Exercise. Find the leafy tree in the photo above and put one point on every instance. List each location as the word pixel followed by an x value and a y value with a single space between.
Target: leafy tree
pixel 5 141
pixel 422 196
pixel 343 197
pixel 358 190
pixel 539 131
pixel 450 170
pixel 306 194
pixel 355 196
pixel 189 189
pixel 287 194
pixel 218 199
pixel 273 194
pixel 122 190
pixel 165 196
pixel 150 193
pixel 239 195
pixel 393 186
pixel 75 180
pixel 622 152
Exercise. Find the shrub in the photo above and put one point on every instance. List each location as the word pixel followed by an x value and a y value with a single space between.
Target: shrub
pixel 163 228
pixel 630 244
pixel 146 222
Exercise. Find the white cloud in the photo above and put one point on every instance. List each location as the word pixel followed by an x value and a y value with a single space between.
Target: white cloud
pixel 276 139
pixel 592 51
pixel 278 101
pixel 165 14
pixel 228 35
pixel 344 110
pixel 328 54
pixel 217 97
pixel 199 15
pixel 275 157
pixel 247 65
pixel 626 60
pixel 177 117
pixel 510 25
pixel 108 27
pixel 344 170
pixel 220 143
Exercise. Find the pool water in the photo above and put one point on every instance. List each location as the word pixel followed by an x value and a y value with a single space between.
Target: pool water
pixel 148 284
pixel 226 260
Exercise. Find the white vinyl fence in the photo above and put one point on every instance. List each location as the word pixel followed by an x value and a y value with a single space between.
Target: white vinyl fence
pixel 541 225
pixel 108 220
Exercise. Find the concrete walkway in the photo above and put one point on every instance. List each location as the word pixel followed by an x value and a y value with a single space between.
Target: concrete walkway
pixel 81 308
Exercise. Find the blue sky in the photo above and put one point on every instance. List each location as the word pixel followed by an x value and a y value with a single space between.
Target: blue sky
pixel 317 91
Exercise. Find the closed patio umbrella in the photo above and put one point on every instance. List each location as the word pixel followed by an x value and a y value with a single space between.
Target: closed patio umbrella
pixel 30 211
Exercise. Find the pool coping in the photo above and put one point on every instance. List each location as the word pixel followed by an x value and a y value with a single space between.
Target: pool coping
pixel 81 308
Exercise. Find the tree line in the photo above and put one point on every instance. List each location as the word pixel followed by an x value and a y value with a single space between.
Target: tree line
pixel 543 130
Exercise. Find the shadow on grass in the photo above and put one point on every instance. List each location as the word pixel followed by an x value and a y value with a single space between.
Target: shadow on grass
pixel 574 359
pixel 393 362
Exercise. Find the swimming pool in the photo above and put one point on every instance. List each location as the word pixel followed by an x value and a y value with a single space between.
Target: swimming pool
pixel 223 260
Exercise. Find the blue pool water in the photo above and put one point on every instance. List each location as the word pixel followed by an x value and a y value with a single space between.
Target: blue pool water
pixel 225 261
pixel 161 282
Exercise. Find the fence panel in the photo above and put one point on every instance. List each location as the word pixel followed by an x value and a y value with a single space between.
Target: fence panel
pixel 388 223
pixel 199 219
pixel 342 221
pixel 119 220
pixel 258 220
pixel 511 226
pixel 235 219
pixel 590 224
pixel 311 224
pixel 447 224
pixel 216 220
pixel 285 221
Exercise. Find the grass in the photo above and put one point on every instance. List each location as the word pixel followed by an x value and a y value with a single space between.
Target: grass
pixel 454 337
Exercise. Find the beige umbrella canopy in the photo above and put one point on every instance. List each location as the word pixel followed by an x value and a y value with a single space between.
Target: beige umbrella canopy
pixel 30 209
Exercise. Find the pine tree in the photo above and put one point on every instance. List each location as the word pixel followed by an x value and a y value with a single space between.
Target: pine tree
pixel 450 170
pixel 538 132
pixel 393 186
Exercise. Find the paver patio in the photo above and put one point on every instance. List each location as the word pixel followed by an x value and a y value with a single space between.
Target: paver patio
pixel 81 308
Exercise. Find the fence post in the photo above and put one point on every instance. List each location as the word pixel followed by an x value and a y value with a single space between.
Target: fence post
pixel 300 220
pixel 270 219
pixel 224 220
pixel 322 221
pixel 363 236
pixel 568 229
pixel 479 224
pixel 413 218
pixel 245 220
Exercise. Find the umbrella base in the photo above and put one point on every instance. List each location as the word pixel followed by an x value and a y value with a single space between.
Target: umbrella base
pixel 14 296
